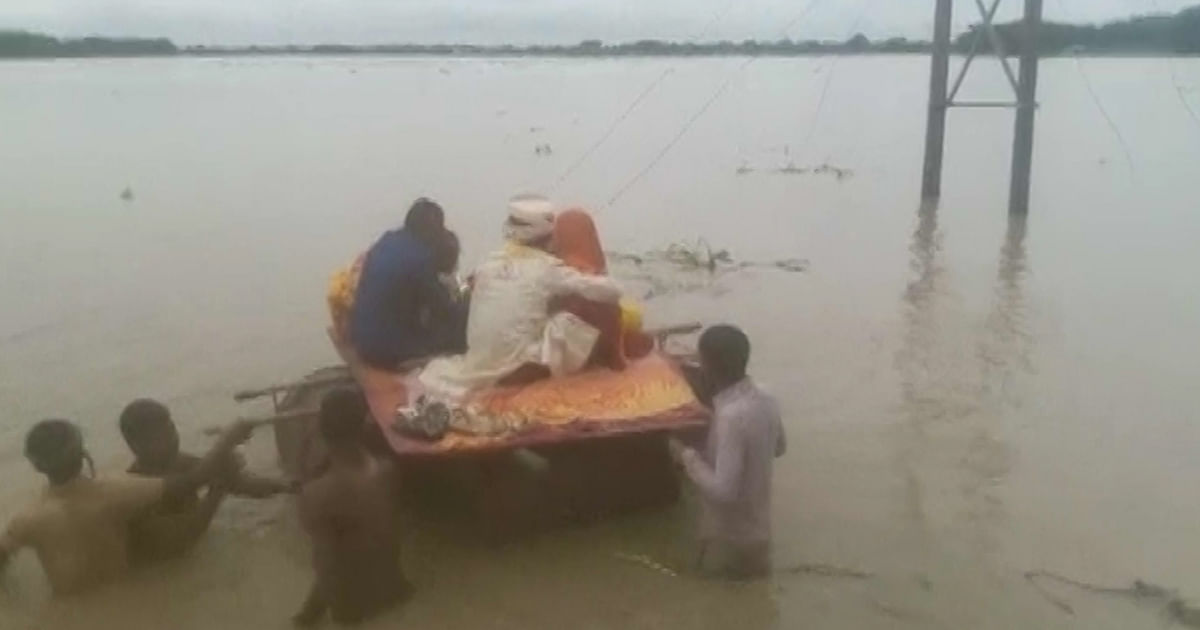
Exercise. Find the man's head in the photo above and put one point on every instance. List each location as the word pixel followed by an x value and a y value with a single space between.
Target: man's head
pixel 342 415
pixel 55 448
pixel 530 221
pixel 445 257
pixel 724 353
pixel 148 430
pixel 426 220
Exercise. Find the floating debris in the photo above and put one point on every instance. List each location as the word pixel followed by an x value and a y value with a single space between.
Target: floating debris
pixel 1174 606
pixel 839 173
pixel 127 194
pixel 643 560
pixel 791 168
pixel 543 149
pixel 688 267
pixel 794 265
pixel 814 569
pixel 824 570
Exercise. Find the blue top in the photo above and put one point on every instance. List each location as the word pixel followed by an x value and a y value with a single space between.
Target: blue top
pixel 397 282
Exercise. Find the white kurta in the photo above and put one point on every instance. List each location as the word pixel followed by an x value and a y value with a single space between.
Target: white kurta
pixel 510 325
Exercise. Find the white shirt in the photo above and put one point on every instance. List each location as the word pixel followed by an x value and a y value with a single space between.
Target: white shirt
pixel 733 474
pixel 510 324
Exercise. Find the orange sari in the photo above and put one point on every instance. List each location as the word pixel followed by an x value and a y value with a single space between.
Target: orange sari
pixel 577 243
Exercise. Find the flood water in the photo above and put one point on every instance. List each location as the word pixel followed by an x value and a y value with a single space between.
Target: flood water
pixel 967 398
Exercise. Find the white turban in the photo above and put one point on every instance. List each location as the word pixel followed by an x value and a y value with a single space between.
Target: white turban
pixel 530 219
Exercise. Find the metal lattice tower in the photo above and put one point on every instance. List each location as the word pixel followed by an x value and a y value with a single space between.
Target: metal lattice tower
pixel 943 96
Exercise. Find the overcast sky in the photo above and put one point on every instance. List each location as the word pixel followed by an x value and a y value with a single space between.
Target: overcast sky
pixel 514 21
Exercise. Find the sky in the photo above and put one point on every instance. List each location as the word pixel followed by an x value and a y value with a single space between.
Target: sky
pixel 273 22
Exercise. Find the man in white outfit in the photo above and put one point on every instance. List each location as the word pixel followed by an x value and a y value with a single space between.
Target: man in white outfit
pixel 510 327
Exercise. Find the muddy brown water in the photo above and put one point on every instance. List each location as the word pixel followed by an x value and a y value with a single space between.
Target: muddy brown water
pixel 967 398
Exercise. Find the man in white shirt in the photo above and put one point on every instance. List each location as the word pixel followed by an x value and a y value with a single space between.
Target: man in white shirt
pixel 510 330
pixel 732 474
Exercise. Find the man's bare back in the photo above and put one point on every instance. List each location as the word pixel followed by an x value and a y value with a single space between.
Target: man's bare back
pixel 79 529
pixel 350 514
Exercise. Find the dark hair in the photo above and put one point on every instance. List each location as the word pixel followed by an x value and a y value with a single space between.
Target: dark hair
pixel 445 256
pixel 141 415
pixel 342 413
pixel 55 448
pixel 726 350
pixel 425 218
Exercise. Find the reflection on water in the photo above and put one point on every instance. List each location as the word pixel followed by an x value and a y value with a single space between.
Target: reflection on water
pixel 1008 344
pixel 953 457
pixel 914 360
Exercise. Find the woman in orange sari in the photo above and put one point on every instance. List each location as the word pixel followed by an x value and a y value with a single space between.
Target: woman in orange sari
pixel 577 243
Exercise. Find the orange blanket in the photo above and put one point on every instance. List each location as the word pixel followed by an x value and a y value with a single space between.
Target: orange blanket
pixel 650 395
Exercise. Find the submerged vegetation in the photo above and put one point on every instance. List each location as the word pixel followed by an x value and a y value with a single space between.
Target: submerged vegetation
pixel 791 168
pixel 1164 33
pixel 688 267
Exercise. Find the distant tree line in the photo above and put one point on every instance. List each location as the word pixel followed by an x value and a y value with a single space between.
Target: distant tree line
pixel 591 48
pixel 1149 34
pixel 1152 34
pixel 23 44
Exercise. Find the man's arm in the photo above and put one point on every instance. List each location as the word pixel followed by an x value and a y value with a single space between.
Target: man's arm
pixel 316 506
pixel 255 487
pixel 720 482
pixel 781 441
pixel 566 280
pixel 217 461
pixel 11 541
pixel 168 535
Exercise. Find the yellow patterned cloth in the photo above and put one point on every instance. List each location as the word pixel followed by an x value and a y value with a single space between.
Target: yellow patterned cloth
pixel 590 403
pixel 340 296
pixel 644 389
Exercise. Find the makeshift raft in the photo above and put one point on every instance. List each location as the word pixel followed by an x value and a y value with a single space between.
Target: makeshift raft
pixel 587 446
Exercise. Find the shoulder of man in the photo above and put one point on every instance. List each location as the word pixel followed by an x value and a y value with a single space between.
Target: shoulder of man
pixel 22 526
pixel 185 463
pixel 754 404
pixel 129 493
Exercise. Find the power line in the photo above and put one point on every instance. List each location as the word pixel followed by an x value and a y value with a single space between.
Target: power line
pixel 699 113
pixel 1087 82
pixel 1187 106
pixel 678 136
pixel 613 127
pixel 1173 69
pixel 1112 125
pixel 633 105
pixel 812 125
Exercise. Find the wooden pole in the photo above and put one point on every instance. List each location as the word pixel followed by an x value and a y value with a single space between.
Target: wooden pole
pixel 939 78
pixel 1022 158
